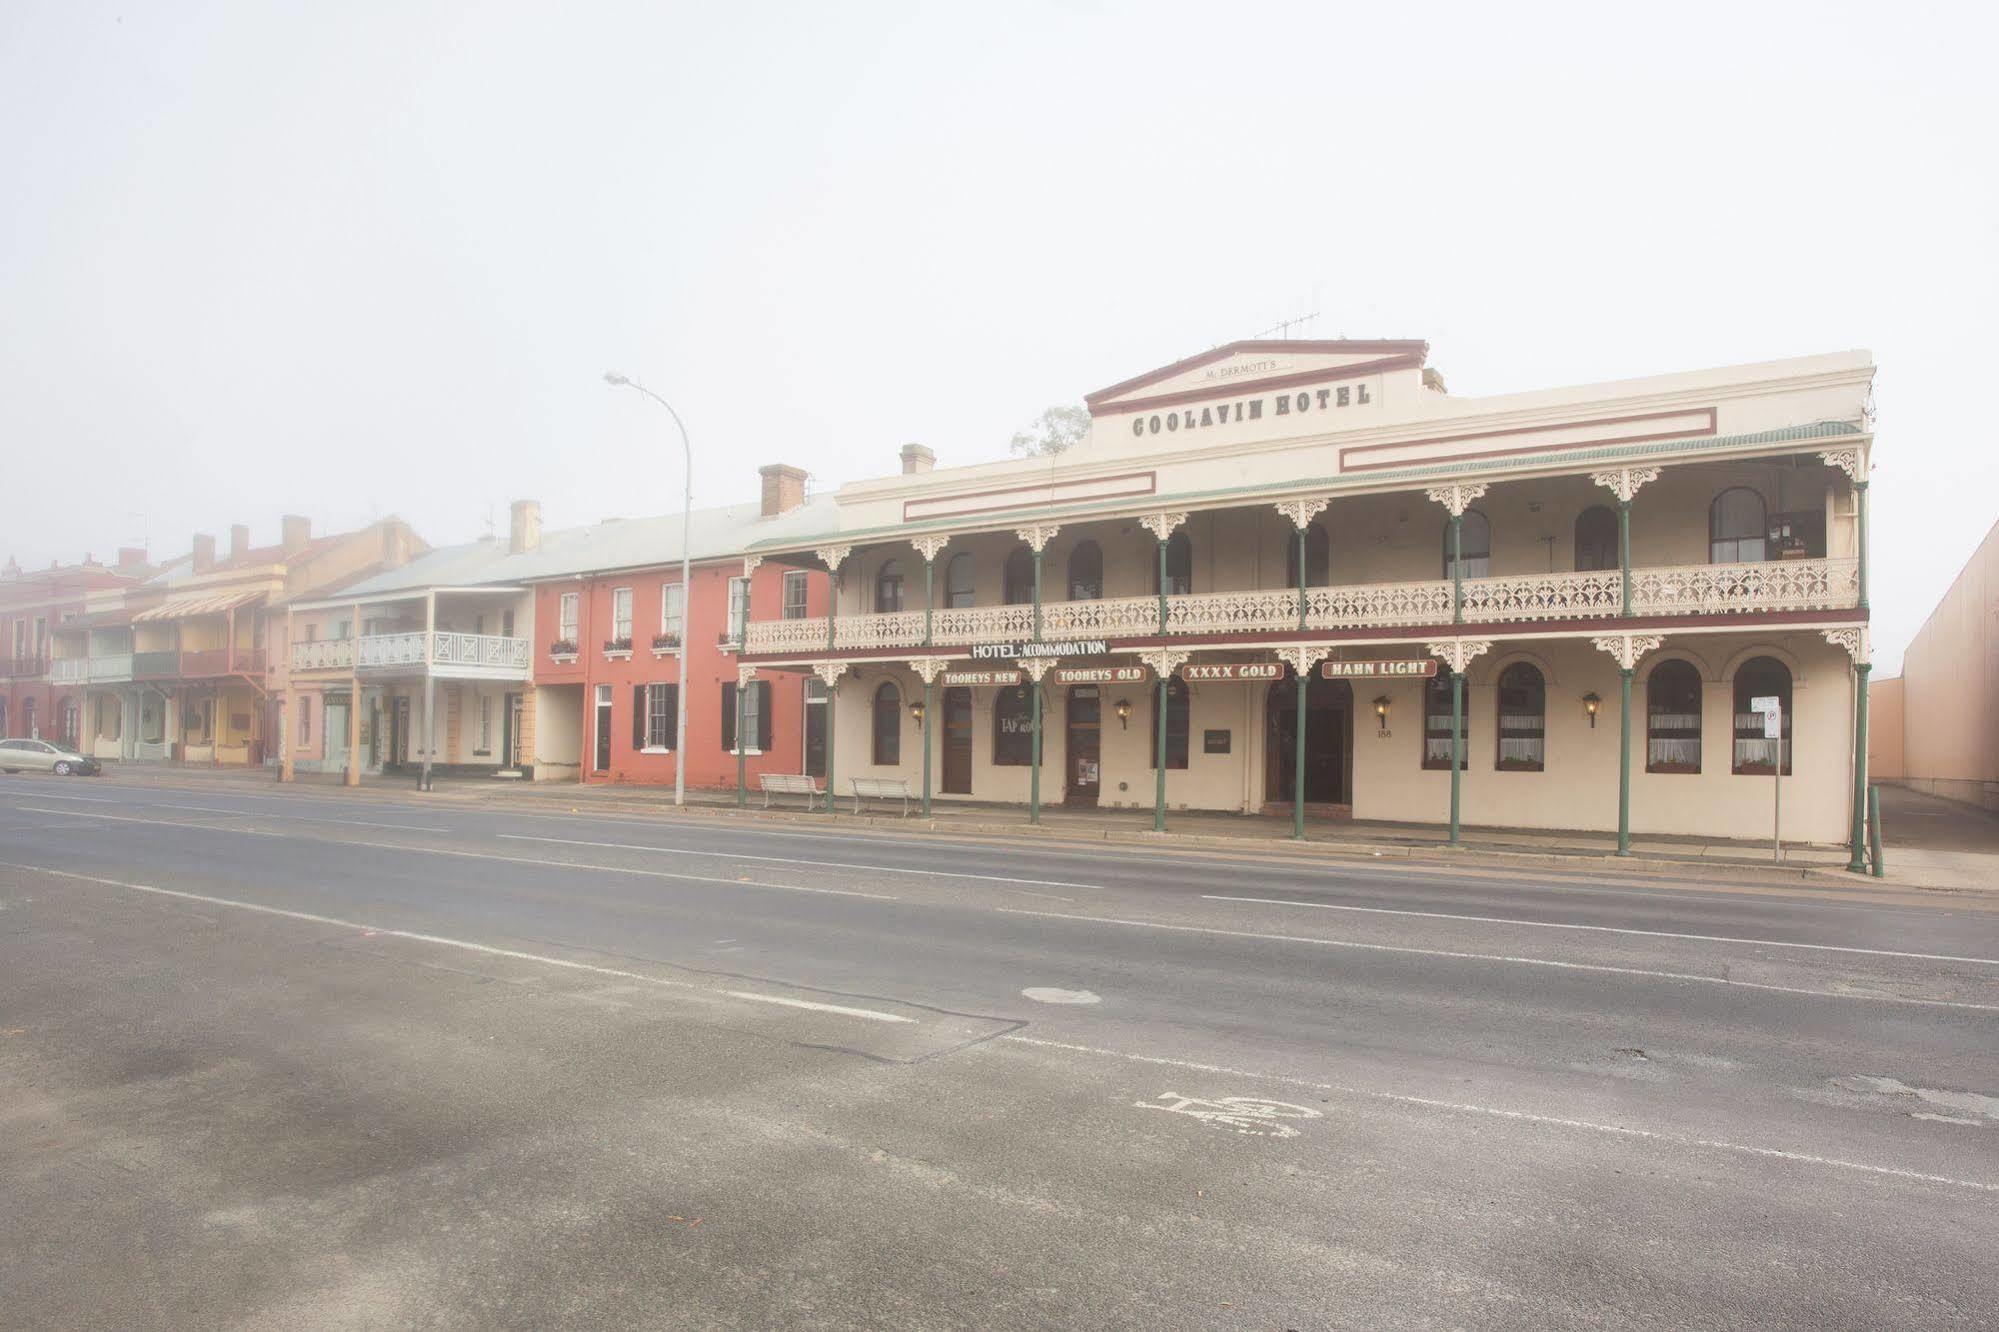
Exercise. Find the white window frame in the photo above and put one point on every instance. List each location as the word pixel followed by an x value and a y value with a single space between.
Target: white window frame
pixel 621 613
pixel 485 723
pixel 673 608
pixel 739 607
pixel 566 616
pixel 657 711
pixel 796 578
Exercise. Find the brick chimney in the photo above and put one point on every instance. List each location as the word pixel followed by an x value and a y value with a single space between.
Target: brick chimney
pixel 524 527
pixel 916 458
pixel 131 557
pixel 239 540
pixel 297 532
pixel 784 488
pixel 204 552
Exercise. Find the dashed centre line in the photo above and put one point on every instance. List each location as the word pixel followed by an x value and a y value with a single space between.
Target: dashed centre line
pixel 789 860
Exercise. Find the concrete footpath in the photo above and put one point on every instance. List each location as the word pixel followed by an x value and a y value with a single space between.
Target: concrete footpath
pixel 1931 843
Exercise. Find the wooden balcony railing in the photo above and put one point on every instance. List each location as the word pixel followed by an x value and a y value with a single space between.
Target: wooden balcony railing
pixel 1698 589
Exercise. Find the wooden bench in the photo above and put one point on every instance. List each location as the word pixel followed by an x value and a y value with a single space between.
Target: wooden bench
pixel 881 788
pixel 789 783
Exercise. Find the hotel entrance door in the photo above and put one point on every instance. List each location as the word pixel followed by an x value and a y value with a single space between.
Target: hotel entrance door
pixel 1084 745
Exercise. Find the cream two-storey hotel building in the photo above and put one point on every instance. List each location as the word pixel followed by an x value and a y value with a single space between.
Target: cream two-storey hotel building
pixel 1275 573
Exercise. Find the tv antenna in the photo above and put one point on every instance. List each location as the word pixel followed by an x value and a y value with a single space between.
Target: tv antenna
pixel 1282 328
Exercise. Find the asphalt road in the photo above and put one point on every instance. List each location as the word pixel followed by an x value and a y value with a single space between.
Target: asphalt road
pixel 310 1059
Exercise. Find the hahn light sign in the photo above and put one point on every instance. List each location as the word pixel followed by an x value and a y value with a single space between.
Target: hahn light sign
pixel 1377 670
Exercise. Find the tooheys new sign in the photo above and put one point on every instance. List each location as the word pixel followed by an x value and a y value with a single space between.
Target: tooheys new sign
pixel 967 679
pixel 1377 670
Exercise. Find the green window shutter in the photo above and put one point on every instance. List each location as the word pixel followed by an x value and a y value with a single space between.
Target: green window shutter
pixel 728 716
pixel 765 732
pixel 638 717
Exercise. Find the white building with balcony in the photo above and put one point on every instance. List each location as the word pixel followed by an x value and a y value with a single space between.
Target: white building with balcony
pixel 437 656
pixel 1289 565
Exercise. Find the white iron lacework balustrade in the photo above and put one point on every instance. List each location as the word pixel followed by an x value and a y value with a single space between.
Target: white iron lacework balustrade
pixel 799 635
pixel 323 654
pixel 1770 585
pixel 481 650
pixel 1230 612
pixel 392 650
pixel 1551 596
pixel 1108 617
pixel 984 624
pixel 1363 604
pixel 883 629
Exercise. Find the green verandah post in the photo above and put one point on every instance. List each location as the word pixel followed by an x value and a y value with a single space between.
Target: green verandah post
pixel 743 678
pixel 1159 709
pixel 1034 740
pixel 1624 553
pixel 1624 674
pixel 833 557
pixel 929 699
pixel 1457 525
pixel 1862 668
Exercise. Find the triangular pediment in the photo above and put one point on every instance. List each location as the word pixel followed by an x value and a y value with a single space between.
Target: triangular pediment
pixel 1255 366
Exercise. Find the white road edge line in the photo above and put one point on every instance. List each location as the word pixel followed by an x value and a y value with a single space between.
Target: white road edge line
pixel 488 950
pixel 305 818
pixel 479 855
pixel 1500 957
pixel 50 795
pixel 1601 929
pixel 787 860
pixel 1518 1116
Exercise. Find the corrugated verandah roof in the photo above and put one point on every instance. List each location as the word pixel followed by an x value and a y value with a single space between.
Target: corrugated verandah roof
pixel 1425 474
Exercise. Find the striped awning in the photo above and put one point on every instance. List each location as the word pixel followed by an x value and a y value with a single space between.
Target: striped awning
pixel 197 603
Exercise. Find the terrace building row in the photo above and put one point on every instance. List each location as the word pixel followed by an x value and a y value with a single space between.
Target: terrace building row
pixel 1289 578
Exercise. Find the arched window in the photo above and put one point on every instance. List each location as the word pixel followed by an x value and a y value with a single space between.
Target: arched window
pixel 1013 727
pixel 1596 538
pixel 1086 572
pixel 1020 577
pixel 1437 723
pixel 1673 718
pixel 1475 536
pixel 1737 530
pixel 888 587
pixel 1318 557
pixel 888 726
pixel 958 580
pixel 1176 725
pixel 1761 677
pixel 1523 719
pixel 1179 566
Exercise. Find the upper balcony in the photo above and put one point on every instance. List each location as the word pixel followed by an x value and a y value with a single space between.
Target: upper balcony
pixel 1523 599
pixel 444 654
pixel 24 668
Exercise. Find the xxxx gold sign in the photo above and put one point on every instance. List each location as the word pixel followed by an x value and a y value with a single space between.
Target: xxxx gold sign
pixel 1233 670
pixel 1377 670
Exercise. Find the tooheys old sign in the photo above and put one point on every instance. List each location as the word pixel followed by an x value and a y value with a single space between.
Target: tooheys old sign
pixel 1100 674
pixel 1377 670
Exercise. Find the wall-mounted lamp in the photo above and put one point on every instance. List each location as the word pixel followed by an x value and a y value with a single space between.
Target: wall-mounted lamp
pixel 916 711
pixel 1124 713
pixel 1590 704
pixel 1381 711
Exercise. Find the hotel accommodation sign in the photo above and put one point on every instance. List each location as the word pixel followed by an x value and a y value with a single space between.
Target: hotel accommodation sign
pixel 1085 647
pixel 1377 670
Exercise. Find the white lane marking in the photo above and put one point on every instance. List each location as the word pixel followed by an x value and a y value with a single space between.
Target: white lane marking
pixel 1500 957
pixel 482 855
pixel 1048 994
pixel 306 818
pixel 1517 1116
pixel 88 800
pixel 488 950
pixel 787 860
pixel 1243 1114
pixel 1602 929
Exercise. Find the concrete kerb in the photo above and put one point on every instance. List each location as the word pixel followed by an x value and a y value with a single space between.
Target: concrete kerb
pixel 1415 854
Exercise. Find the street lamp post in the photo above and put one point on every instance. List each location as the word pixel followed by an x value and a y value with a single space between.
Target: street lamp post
pixel 686 588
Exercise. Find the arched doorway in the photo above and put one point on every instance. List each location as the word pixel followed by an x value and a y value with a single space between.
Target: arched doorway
pixel 1328 741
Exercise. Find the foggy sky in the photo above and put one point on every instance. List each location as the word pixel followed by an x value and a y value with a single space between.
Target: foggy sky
pixel 354 259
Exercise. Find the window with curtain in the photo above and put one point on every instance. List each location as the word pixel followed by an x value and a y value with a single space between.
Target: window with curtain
pixel 1523 719
pixel 739 607
pixel 1437 723
pixel 1761 677
pixel 1738 528
pixel 1176 724
pixel 621 615
pixel 1013 727
pixel 1318 557
pixel 1086 572
pixel 756 716
pixel 958 581
pixel 1475 537
pixel 1596 538
pixel 1673 718
pixel 672 611
pixel 888 587
pixel 565 630
pixel 1020 577
pixel 662 703
pixel 887 726
pixel 1179 565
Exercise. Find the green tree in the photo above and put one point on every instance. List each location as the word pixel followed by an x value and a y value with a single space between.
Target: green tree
pixel 1055 431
